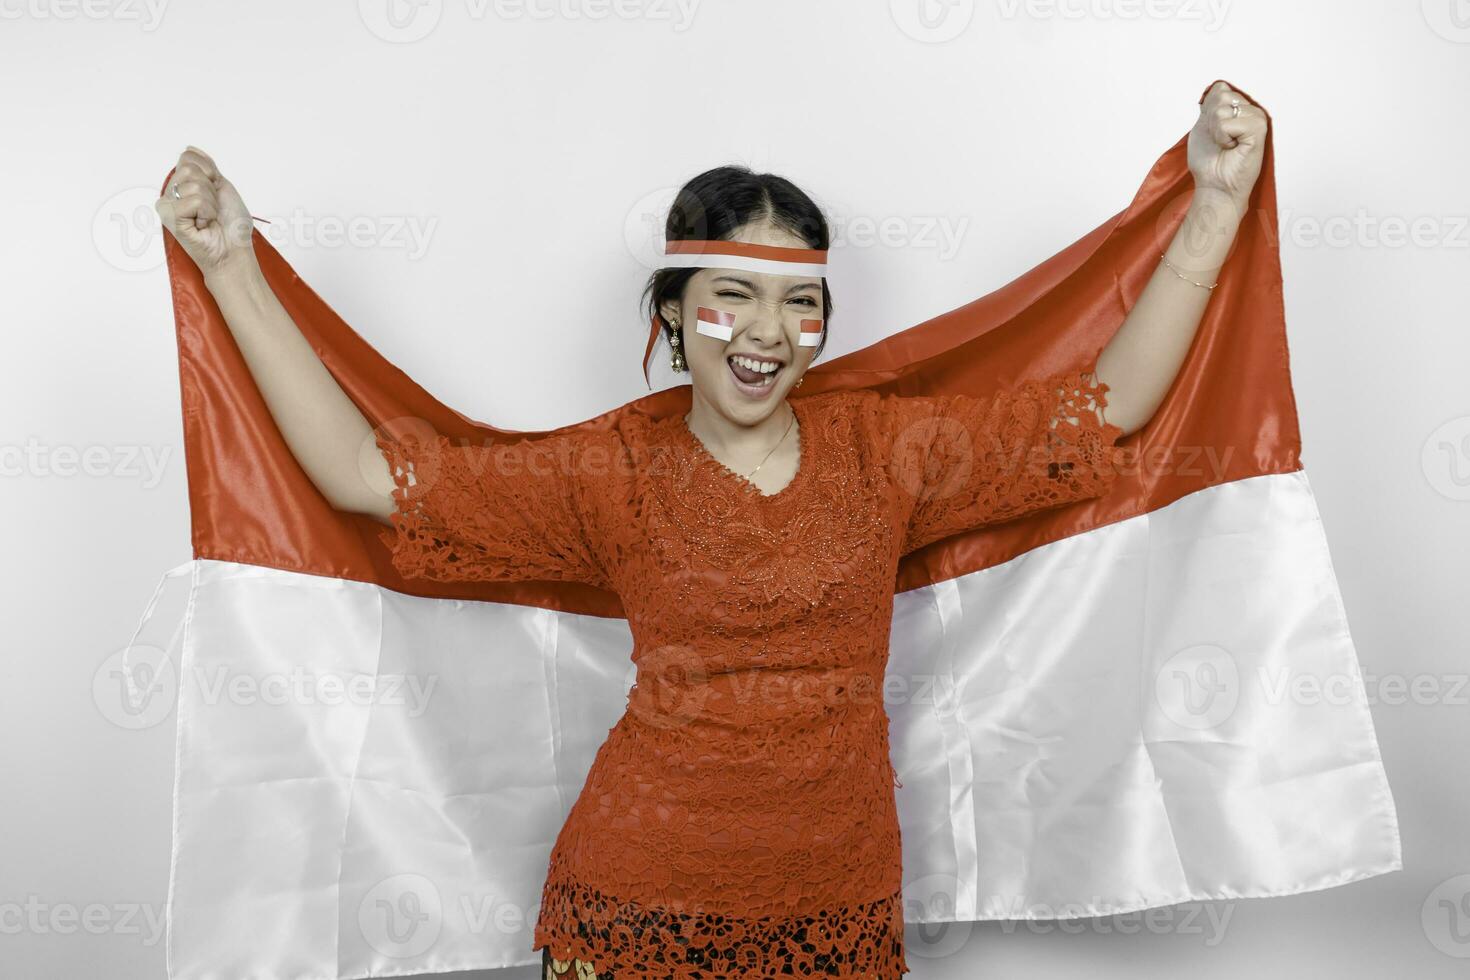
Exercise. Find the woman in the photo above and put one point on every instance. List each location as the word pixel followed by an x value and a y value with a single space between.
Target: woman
pixel 740 819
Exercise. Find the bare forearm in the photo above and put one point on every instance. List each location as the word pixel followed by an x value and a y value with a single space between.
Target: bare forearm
pixel 1144 356
pixel 325 431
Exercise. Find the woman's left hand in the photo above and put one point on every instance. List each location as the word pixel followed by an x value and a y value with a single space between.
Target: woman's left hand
pixel 1224 149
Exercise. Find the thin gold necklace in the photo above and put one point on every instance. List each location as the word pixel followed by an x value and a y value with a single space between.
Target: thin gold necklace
pixel 774 448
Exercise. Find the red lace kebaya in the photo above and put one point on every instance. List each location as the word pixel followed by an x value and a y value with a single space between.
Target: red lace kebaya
pixel 740 819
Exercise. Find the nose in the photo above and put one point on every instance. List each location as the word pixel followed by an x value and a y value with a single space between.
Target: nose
pixel 765 325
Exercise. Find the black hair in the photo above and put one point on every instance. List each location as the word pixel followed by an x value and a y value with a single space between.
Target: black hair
pixel 716 204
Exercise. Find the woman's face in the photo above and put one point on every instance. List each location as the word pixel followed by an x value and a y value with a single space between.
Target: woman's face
pixel 746 377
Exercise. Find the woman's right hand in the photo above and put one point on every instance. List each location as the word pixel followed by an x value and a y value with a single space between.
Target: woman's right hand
pixel 208 217
pixel 325 430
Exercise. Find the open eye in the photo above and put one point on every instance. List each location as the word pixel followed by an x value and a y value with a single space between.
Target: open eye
pixel 811 303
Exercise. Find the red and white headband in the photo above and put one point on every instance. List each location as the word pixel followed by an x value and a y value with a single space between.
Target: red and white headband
pixel 776 260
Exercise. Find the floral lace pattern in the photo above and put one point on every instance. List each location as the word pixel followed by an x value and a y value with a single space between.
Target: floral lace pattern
pixel 528 528
pixel 965 462
pixel 740 818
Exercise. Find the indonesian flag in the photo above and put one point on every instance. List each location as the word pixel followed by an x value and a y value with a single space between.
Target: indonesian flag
pixel 1096 708
pixel 714 323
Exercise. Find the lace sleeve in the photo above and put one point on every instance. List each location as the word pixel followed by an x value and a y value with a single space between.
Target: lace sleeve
pixel 960 462
pixel 495 512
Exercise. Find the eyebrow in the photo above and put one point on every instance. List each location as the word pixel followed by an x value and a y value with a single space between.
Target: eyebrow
pixel 752 287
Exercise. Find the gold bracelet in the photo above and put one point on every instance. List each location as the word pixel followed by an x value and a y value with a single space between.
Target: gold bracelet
pixel 1182 275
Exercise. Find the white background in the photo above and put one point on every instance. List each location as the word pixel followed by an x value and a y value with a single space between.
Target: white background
pixel 527 145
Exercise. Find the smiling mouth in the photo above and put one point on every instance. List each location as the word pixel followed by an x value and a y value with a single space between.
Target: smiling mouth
pixel 754 373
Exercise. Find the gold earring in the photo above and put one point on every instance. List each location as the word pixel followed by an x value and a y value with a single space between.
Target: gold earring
pixel 676 359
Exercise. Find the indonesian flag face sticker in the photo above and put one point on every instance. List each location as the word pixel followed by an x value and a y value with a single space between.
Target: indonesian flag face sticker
pixel 715 323
pixel 811 333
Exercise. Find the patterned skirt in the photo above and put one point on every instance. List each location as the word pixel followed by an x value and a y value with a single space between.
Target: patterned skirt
pixel 572 969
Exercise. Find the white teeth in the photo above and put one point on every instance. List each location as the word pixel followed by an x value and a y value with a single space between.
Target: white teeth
pixel 750 364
